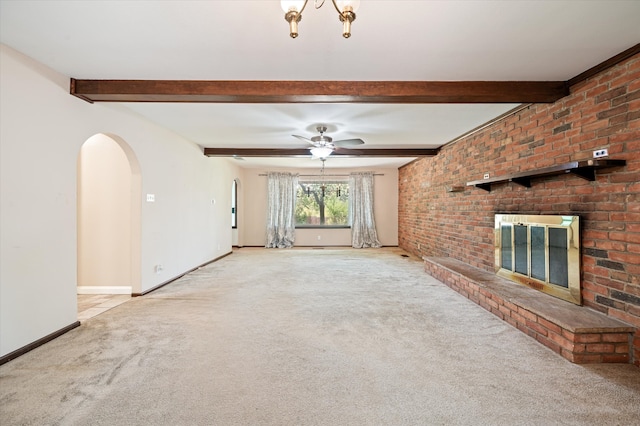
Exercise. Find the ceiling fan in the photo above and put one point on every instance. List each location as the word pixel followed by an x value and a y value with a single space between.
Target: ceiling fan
pixel 323 145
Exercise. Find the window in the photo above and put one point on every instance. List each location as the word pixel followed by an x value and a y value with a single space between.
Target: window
pixel 322 204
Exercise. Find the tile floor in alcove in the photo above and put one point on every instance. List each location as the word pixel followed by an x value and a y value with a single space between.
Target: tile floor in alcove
pixel 90 305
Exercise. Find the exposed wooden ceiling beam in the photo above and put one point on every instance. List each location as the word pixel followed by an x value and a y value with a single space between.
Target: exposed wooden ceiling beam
pixel 304 152
pixel 266 92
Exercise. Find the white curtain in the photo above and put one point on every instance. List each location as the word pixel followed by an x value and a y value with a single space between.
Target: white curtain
pixel 281 230
pixel 363 225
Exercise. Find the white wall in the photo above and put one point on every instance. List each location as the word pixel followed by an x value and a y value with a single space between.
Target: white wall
pixel 43 128
pixel 42 131
pixel 254 211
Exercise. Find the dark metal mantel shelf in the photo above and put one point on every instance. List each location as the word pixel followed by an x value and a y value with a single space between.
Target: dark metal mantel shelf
pixel 584 169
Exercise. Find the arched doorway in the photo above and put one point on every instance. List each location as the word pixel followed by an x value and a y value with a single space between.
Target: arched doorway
pixel 109 217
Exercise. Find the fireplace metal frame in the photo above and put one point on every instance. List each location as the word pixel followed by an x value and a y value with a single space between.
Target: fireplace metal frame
pixel 571 293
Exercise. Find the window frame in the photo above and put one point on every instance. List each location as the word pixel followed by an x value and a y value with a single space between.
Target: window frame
pixel 317 181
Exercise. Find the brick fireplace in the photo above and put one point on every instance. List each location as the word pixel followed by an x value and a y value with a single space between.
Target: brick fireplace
pixel 602 111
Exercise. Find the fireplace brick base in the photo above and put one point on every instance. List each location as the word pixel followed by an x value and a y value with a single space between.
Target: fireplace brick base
pixel 579 334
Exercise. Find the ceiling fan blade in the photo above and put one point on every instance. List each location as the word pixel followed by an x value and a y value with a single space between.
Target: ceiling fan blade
pixel 346 151
pixel 304 139
pixel 348 142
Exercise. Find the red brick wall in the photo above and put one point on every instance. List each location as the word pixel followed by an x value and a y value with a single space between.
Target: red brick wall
pixel 601 112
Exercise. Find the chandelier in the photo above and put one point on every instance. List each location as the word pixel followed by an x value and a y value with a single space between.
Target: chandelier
pixel 346 12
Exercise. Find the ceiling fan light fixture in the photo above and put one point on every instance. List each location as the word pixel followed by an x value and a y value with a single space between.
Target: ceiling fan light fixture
pixel 321 152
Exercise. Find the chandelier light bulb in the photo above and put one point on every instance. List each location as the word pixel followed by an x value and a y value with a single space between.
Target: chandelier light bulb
pixel 347 5
pixel 292 5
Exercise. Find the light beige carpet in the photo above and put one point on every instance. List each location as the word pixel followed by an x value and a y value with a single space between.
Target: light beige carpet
pixel 308 337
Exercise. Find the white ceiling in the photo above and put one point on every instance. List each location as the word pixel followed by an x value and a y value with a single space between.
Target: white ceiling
pixel 391 40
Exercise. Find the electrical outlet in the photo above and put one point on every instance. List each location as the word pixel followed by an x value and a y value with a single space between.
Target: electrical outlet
pixel 486 176
pixel 158 268
pixel 599 153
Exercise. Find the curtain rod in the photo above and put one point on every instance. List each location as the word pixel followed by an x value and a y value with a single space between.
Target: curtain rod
pixel 375 174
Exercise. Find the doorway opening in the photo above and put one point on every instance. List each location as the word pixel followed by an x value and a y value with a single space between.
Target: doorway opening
pixel 109 218
pixel 236 240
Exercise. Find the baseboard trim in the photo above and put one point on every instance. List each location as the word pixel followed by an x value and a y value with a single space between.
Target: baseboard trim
pixel 179 276
pixel 31 346
pixel 104 290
